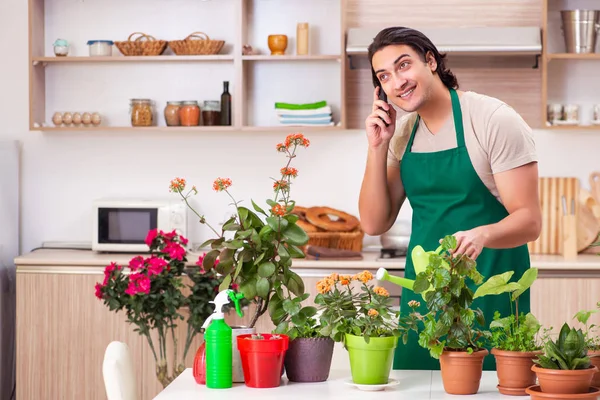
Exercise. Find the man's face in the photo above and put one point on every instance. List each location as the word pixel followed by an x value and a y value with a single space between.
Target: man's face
pixel 405 77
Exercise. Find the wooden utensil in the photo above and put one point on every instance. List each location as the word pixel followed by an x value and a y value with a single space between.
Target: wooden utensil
pixel 569 231
pixel 595 185
pixel 551 190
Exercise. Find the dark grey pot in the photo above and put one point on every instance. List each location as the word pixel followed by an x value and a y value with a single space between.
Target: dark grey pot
pixel 309 360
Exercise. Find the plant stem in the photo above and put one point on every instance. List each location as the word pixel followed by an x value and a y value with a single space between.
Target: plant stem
pixel 147 334
pixel 199 216
pixel 174 350
pixel 191 333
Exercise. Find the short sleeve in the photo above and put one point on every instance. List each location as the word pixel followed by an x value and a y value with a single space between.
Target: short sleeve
pixel 400 139
pixel 510 141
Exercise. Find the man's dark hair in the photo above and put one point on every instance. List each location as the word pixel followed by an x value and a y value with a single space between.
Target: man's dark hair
pixel 420 43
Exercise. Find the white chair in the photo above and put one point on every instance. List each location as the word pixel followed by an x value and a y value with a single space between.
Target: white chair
pixel 118 373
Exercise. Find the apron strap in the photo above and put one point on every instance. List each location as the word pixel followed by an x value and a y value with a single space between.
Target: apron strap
pixel 458 123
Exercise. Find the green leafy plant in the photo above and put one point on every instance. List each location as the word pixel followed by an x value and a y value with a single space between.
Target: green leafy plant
pixel 449 323
pixel 151 293
pixel 514 332
pixel 568 352
pixel 364 311
pixel 255 247
pixel 591 332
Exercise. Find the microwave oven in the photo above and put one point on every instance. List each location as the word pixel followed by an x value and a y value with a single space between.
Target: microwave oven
pixel 121 225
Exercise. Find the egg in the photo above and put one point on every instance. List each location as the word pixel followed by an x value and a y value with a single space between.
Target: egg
pixel 67 118
pixel 57 119
pixel 96 118
pixel 76 118
pixel 86 118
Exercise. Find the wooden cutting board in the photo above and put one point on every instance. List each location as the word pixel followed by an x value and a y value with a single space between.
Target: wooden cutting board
pixel 551 190
pixel 595 185
pixel 588 220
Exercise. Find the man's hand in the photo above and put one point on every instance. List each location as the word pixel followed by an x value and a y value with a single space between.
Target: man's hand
pixel 471 242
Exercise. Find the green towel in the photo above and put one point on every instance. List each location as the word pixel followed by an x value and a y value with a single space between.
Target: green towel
pixel 307 106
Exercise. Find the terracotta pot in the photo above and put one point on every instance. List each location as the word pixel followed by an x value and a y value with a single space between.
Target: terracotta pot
pixel 536 394
pixel 561 381
pixel 277 44
pixel 514 371
pixel 595 361
pixel 461 372
pixel 309 359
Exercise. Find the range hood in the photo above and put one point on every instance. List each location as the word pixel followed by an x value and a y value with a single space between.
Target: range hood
pixel 474 41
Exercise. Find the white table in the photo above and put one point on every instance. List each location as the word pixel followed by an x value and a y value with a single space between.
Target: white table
pixel 414 385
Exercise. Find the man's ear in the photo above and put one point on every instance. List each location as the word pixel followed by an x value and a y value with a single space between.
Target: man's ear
pixel 431 61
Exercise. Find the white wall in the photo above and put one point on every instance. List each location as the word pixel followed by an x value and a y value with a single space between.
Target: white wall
pixel 63 172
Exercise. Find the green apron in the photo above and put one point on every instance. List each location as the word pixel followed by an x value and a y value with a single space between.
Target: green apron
pixel 447 196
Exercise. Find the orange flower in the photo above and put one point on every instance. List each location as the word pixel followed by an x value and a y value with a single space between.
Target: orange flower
pixel 381 291
pixel 221 184
pixel 373 313
pixel 177 185
pixel 345 280
pixel 329 281
pixel 364 276
pixel 335 276
pixel 281 185
pixel 278 209
pixel 297 139
pixel 281 147
pixel 288 171
pixel 323 287
pixel 414 304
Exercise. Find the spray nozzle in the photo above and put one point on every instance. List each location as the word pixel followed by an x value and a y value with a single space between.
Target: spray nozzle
pixel 236 297
pixel 222 299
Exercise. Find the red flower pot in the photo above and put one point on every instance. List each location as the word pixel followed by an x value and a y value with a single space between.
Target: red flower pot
pixel 262 360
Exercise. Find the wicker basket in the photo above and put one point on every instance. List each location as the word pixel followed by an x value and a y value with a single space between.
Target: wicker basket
pixel 337 240
pixel 140 47
pixel 191 47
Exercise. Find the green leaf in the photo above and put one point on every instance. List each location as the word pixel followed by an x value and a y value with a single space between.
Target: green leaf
pixel 309 311
pixel 497 284
pixel 248 288
pixel 238 268
pixel 525 282
pixel 278 224
pixel 291 307
pixel 299 319
pixel 245 234
pixel 263 286
pixel 441 278
pixel 295 284
pixel 292 218
pixel 421 283
pixel 233 244
pixel 207 243
pixel 258 209
pixel 232 227
pixel 282 251
pixel 282 328
pixel 209 259
pixel 225 284
pixel 449 242
pixel 295 252
pixel 467 316
pixel 271 203
pixel 295 235
pixel 266 269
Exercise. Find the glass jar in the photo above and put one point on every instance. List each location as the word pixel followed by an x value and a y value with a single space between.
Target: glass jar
pixel 141 112
pixel 189 113
pixel 172 113
pixel 211 113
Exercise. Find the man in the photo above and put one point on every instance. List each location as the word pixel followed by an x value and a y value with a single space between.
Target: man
pixel 466 162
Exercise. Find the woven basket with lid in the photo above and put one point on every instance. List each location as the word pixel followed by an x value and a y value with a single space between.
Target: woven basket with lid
pixel 143 45
pixel 197 43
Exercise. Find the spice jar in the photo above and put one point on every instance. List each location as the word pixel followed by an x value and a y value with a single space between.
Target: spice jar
pixel 172 113
pixel 189 113
pixel 141 112
pixel 211 113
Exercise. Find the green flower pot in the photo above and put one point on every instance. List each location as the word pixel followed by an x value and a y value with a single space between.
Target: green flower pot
pixel 370 363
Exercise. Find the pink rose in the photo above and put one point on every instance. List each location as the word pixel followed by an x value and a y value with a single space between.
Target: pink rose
pixel 151 236
pixel 138 283
pixel 175 251
pixel 136 263
pixel 156 265
pixel 99 291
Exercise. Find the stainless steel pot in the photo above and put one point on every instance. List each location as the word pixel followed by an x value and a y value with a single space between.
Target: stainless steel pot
pixel 397 237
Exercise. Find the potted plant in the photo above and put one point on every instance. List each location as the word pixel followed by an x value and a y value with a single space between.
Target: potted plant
pixel 565 367
pixel 448 329
pixel 151 293
pixel 592 339
pixel 363 320
pixel 309 355
pixel 255 247
pixel 262 358
pixel 514 338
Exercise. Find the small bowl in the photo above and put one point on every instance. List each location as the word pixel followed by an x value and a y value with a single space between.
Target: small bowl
pixel 277 44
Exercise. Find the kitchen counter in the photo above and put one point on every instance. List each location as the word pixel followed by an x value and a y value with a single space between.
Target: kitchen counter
pixel 58 258
pixel 413 385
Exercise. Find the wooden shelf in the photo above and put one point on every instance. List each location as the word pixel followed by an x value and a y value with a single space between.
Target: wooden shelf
pixel 136 59
pixel 264 57
pixel 573 56
pixel 136 129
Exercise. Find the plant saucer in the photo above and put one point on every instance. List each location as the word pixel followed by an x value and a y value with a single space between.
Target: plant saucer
pixel 372 388
pixel 536 394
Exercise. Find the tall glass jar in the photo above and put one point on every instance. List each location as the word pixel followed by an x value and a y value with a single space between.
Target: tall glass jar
pixel 172 113
pixel 211 113
pixel 141 112
pixel 189 113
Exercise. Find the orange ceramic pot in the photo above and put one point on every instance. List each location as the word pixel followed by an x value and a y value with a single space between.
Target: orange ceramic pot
pixel 560 381
pixel 278 44
pixel 461 371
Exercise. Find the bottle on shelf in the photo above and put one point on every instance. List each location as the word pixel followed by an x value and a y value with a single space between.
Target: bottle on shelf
pixel 226 105
pixel 302 38
pixel 218 338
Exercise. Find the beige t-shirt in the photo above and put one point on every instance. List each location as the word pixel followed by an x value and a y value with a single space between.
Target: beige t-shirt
pixel 496 137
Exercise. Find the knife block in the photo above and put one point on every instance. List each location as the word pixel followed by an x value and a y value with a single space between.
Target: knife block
pixel 569 225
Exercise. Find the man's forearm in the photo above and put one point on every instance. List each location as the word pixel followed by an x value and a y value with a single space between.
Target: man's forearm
pixel 374 201
pixel 520 227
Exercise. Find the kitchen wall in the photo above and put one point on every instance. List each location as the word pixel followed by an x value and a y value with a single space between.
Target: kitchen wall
pixel 63 172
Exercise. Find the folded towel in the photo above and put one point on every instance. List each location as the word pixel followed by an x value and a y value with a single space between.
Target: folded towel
pixel 302 123
pixel 305 106
pixel 326 253
pixel 305 120
pixel 304 117
pixel 320 110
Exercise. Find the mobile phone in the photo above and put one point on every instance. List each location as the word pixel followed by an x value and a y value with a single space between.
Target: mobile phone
pixel 383 96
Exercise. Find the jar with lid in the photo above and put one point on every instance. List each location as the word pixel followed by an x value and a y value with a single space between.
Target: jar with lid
pixel 189 113
pixel 172 113
pixel 211 113
pixel 141 112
